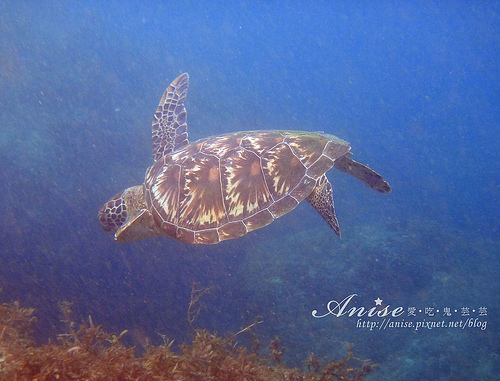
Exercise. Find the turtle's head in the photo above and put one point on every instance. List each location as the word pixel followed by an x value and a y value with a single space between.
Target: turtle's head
pixel 121 208
pixel 127 216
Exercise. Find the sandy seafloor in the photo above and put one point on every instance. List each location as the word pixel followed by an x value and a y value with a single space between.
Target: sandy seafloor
pixel 413 86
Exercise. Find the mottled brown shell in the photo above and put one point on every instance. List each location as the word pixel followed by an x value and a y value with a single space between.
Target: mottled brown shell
pixel 223 187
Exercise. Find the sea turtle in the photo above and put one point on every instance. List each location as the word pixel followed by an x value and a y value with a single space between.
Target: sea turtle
pixel 225 186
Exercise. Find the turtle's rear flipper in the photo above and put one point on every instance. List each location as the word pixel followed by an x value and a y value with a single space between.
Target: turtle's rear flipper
pixel 322 199
pixel 363 173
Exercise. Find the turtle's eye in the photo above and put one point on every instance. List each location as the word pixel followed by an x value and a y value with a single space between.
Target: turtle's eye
pixel 113 214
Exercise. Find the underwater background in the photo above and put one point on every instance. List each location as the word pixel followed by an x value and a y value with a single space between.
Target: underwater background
pixel 413 86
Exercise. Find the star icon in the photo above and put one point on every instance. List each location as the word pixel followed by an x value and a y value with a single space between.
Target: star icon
pixel 378 302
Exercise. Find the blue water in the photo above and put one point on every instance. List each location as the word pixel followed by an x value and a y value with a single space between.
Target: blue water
pixel 413 86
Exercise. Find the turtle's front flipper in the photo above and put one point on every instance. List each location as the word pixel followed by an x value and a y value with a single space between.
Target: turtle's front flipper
pixel 170 119
pixel 140 226
pixel 363 173
pixel 322 199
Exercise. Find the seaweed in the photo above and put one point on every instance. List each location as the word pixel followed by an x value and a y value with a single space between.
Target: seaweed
pixel 340 370
pixel 90 353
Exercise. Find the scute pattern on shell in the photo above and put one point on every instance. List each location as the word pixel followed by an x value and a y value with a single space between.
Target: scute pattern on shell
pixel 222 187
